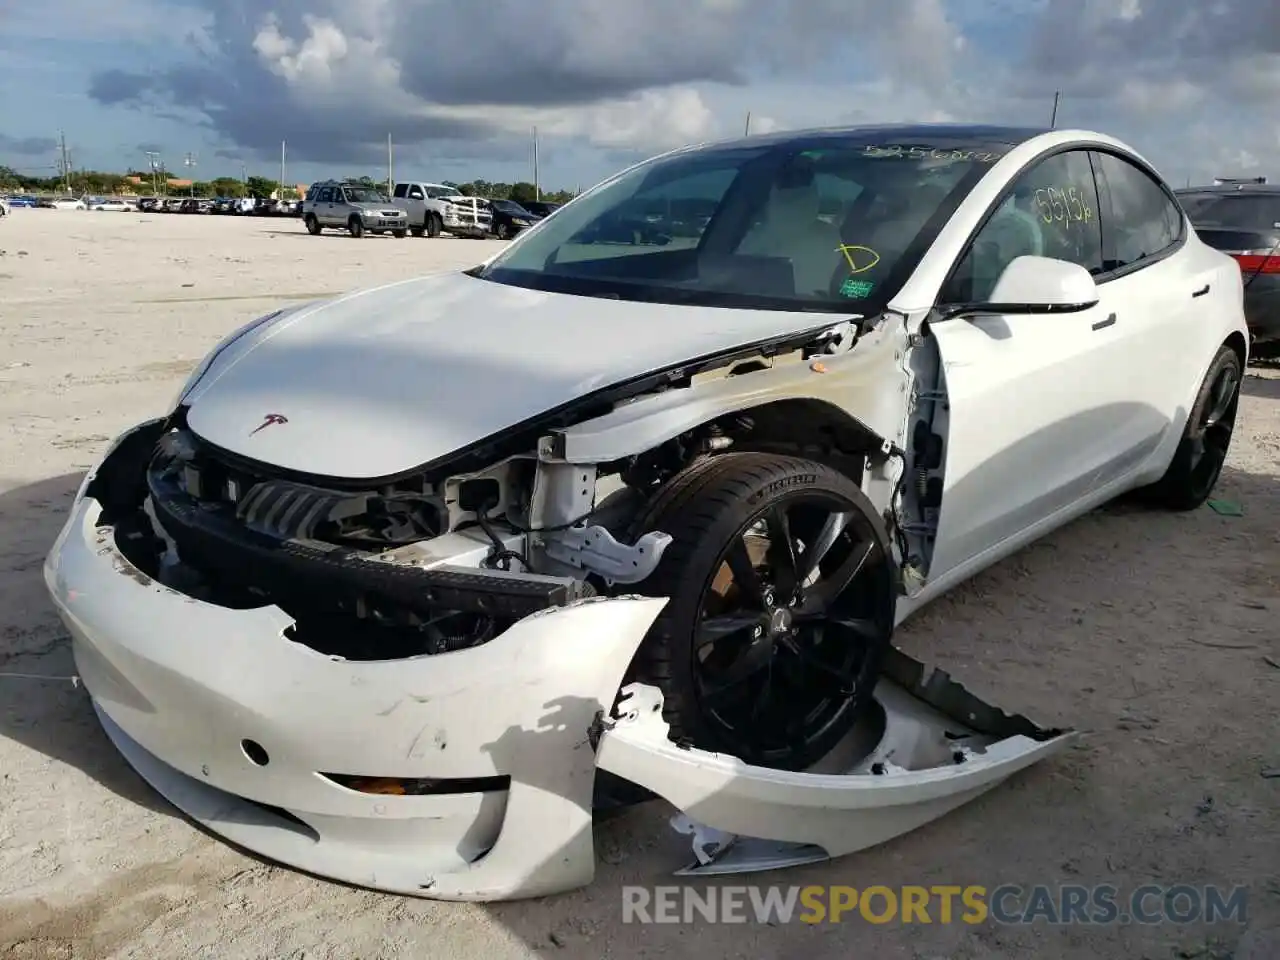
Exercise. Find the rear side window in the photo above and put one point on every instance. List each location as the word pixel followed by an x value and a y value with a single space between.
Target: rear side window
pixel 1143 221
pixel 1258 213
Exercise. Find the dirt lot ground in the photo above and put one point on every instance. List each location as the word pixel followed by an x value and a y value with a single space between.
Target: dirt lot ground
pixel 1157 635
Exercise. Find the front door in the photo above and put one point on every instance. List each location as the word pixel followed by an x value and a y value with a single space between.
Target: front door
pixel 1032 401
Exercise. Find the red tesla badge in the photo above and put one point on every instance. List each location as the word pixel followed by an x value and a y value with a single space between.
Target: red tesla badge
pixel 270 420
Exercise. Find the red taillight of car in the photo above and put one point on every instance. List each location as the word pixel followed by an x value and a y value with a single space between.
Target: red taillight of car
pixel 1257 261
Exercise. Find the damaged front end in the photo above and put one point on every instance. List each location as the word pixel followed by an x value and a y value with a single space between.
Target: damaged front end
pixel 412 683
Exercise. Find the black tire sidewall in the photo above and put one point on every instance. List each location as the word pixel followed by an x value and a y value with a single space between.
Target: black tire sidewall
pixel 701 516
pixel 1176 489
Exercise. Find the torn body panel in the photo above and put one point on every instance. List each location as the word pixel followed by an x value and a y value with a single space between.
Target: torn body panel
pixel 929 748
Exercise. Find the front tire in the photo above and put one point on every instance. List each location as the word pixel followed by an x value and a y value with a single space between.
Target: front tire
pixel 399 234
pixel 782 599
pixel 355 226
pixel 1197 462
pixel 432 225
pixel 313 225
pixel 503 232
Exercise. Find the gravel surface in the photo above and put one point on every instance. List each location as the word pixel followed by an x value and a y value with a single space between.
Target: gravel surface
pixel 1155 634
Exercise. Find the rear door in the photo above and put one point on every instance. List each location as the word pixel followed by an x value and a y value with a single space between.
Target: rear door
pixel 1161 287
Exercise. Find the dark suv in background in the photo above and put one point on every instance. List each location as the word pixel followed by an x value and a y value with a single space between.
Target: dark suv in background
pixel 1243 220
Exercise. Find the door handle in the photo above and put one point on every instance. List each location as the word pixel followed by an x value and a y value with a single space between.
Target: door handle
pixel 1202 291
pixel 1103 324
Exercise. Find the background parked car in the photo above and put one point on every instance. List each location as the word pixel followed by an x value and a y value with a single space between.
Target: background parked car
pixel 541 208
pixel 1243 220
pixel 424 204
pixel 111 205
pixel 509 218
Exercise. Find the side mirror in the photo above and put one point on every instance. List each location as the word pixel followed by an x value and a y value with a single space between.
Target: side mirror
pixel 1035 285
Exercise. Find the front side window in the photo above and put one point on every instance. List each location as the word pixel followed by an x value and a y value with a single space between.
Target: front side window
pixel 401 191
pixel 830 225
pixel 1143 220
pixel 1051 211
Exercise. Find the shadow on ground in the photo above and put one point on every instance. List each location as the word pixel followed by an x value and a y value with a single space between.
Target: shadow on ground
pixel 44 707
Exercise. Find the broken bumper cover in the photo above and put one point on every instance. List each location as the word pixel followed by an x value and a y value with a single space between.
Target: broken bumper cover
pixel 496 748
pixel 245 730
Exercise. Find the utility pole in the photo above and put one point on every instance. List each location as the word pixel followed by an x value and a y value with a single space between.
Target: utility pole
pixel 244 179
pixel 65 162
pixel 281 191
pixel 190 164
pixel 747 131
pixel 1053 119
pixel 153 160
pixel 537 185
pixel 391 172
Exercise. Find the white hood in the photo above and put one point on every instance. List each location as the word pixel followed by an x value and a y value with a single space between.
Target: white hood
pixel 380 381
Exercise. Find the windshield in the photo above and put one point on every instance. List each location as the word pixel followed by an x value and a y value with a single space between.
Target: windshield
pixel 364 195
pixel 773 226
pixel 1258 212
pixel 511 207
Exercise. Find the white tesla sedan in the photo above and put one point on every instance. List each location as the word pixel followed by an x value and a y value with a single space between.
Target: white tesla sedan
pixel 405 581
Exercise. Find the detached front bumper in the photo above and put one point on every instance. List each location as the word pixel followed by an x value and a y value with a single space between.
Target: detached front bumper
pixel 241 729
pixel 491 751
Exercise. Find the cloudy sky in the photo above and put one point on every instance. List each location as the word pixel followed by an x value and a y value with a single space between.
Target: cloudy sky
pixel 458 84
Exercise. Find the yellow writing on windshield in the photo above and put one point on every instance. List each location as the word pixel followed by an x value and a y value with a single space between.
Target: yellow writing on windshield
pixel 861 259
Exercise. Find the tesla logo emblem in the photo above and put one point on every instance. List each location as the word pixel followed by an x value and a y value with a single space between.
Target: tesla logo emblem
pixel 270 420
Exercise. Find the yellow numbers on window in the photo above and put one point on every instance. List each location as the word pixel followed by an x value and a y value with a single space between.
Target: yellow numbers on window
pixel 1061 205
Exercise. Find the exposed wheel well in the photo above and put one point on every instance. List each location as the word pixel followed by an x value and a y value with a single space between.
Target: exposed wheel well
pixel 812 428
pixel 1236 342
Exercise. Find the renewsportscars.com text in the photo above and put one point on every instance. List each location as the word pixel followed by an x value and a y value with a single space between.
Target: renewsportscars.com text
pixel 937 904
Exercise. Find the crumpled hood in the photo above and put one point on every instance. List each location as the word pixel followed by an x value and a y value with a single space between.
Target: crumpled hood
pixel 380 381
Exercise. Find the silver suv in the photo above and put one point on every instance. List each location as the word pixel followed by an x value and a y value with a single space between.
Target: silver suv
pixel 353 207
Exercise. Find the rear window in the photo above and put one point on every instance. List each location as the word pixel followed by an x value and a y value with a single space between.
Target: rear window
pixel 1233 211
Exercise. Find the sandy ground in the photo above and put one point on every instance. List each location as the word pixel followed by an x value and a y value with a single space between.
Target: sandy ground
pixel 1154 634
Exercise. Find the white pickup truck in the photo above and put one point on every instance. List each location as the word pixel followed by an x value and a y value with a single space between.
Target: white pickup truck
pixel 434 207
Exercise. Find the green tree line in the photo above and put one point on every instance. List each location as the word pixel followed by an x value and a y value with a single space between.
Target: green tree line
pixel 100 183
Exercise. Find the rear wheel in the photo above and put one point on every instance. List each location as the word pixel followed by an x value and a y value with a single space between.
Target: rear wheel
pixel 782 602
pixel 417 231
pixel 1197 462
pixel 355 226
